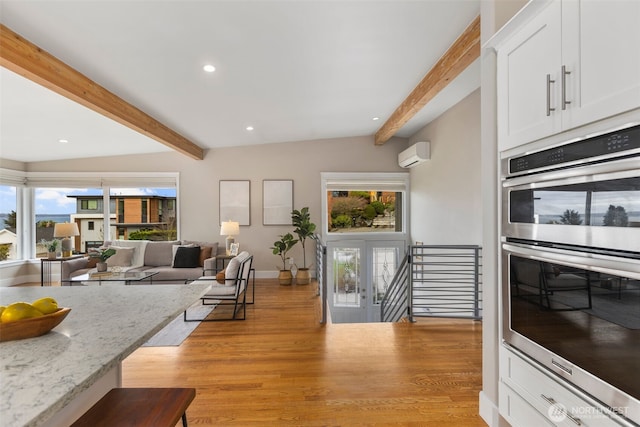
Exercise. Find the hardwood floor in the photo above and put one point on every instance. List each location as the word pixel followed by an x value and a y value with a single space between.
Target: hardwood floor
pixel 280 367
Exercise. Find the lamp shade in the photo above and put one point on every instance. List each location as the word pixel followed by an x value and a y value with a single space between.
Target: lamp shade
pixel 66 229
pixel 230 228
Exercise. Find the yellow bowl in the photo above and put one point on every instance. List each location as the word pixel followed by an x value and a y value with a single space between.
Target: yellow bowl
pixel 32 327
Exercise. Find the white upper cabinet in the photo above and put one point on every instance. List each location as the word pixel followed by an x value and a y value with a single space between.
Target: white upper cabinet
pixel 575 62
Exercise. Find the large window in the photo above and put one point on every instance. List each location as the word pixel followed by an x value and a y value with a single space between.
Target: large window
pixel 357 203
pixel 58 205
pixel 364 211
pixel 32 203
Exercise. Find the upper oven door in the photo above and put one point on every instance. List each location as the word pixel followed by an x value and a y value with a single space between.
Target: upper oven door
pixel 596 205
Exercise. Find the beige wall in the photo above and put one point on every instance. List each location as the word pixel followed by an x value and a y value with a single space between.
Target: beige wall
pixel 198 189
pixel 446 195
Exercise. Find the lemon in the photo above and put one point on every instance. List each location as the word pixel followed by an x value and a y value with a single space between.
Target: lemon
pixel 46 305
pixel 2 307
pixel 18 311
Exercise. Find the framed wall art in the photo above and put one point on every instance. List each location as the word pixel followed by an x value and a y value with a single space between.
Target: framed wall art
pixel 235 201
pixel 277 201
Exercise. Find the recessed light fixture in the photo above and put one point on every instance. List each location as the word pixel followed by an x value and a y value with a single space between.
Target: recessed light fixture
pixel 376 118
pixel 249 128
pixel 209 68
pixel 63 141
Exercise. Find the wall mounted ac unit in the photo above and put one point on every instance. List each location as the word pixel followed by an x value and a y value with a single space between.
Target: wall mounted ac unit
pixel 414 155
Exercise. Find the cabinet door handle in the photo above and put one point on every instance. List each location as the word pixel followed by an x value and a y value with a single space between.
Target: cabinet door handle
pixel 549 82
pixel 551 401
pixel 564 87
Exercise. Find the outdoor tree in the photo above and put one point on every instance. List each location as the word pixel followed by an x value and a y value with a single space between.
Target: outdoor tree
pixel 10 222
pixel 571 217
pixel 616 216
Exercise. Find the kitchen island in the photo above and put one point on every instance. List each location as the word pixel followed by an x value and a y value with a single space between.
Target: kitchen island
pixel 52 379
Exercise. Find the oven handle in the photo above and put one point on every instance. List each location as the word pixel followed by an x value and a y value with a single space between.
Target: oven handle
pixel 621 168
pixel 593 262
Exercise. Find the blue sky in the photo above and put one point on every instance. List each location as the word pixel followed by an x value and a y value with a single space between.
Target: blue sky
pixel 55 200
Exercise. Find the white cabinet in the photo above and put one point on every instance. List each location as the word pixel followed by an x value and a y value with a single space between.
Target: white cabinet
pixel 531 396
pixel 574 62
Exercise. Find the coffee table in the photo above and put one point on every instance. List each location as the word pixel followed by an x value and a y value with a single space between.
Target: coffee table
pixel 110 277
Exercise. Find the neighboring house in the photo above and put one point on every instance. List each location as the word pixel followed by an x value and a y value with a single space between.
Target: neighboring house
pixel 128 214
pixel 8 238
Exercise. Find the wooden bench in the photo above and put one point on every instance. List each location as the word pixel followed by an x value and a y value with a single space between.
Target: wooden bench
pixel 138 407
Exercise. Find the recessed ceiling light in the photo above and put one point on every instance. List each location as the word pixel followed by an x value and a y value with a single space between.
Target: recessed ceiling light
pixel 209 68
pixel 376 118
pixel 63 141
pixel 249 128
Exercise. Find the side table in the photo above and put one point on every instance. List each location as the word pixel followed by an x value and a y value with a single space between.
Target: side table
pixel 45 268
pixel 221 262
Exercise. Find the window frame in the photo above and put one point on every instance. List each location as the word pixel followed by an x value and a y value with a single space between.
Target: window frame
pixel 26 183
pixel 350 181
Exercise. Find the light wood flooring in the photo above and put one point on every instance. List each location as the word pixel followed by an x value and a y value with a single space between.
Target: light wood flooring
pixel 280 367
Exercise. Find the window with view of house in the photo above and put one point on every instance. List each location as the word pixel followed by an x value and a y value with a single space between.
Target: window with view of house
pixel 38 200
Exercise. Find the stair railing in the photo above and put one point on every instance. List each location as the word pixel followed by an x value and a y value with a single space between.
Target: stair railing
pixel 436 281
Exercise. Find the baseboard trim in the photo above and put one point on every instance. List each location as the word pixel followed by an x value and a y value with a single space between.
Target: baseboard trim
pixel 489 411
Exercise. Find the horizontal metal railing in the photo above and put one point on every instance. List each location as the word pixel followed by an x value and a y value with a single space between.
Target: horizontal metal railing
pixel 436 281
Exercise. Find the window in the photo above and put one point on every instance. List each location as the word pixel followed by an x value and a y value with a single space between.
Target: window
pixel 364 211
pixel 144 217
pixel 9 242
pixel 32 202
pixel 89 205
pixel 364 203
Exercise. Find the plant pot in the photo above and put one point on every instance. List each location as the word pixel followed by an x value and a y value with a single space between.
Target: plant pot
pixel 285 277
pixel 303 277
pixel 51 255
pixel 101 267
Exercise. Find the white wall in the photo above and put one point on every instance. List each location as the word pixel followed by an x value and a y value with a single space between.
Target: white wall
pixel 199 182
pixel 446 195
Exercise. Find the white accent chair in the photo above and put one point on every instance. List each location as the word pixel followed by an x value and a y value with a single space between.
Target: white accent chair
pixel 233 292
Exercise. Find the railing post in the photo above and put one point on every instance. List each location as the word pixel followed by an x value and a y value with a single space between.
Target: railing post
pixel 410 281
pixel 476 283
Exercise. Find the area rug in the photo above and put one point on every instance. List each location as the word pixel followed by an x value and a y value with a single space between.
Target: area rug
pixel 178 330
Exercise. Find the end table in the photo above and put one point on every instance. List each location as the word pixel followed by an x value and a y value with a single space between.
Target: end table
pixel 45 268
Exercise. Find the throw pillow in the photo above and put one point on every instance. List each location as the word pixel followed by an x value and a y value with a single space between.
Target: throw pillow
pixel 92 261
pixel 122 257
pixel 187 257
pixel 220 277
pixel 205 253
pixel 175 249
pixel 231 273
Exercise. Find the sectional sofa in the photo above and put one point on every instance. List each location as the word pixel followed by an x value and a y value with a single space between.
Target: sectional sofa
pixel 178 261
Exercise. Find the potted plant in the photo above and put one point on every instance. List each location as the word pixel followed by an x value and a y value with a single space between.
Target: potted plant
pixel 305 229
pixel 52 248
pixel 281 247
pixel 103 255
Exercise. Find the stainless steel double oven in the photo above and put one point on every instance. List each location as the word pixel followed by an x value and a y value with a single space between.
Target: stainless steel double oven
pixel 571 262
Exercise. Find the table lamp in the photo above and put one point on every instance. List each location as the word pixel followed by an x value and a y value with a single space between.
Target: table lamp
pixel 229 229
pixel 66 230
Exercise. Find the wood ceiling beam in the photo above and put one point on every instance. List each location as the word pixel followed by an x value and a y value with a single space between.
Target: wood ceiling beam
pixel 23 57
pixel 460 55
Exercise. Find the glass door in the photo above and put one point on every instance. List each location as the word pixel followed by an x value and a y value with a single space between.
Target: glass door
pixel 358 274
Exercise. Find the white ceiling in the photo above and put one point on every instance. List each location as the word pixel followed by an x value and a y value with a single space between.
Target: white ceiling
pixel 294 70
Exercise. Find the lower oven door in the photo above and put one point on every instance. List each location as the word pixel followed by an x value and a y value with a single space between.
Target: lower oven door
pixel 578 314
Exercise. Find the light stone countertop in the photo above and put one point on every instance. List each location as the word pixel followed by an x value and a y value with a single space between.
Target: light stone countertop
pixel 39 376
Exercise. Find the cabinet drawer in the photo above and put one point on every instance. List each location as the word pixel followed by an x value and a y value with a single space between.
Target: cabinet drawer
pixel 518 411
pixel 556 402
